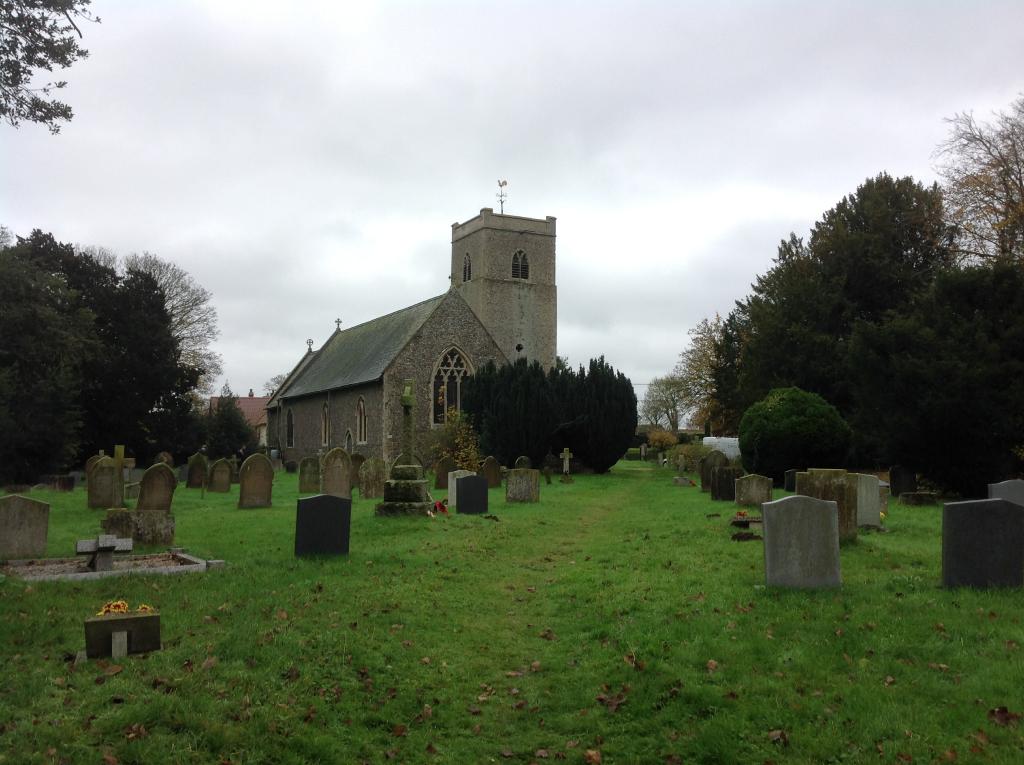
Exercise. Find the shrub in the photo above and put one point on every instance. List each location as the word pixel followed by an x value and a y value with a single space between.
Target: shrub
pixel 691 455
pixel 661 439
pixel 791 428
pixel 633 453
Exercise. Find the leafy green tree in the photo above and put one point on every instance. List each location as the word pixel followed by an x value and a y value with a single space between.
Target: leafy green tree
pixel 939 388
pixel 44 339
pixel 791 428
pixel 38 36
pixel 227 430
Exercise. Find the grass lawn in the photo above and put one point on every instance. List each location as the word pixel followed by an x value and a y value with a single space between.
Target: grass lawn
pixel 613 622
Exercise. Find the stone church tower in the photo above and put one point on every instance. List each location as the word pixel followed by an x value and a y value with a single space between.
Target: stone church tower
pixel 504 267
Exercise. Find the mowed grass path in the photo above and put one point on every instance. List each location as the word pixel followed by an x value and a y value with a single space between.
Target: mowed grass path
pixel 614 621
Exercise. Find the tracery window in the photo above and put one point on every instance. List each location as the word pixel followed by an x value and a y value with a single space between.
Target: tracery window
pixel 452 370
pixel 520 265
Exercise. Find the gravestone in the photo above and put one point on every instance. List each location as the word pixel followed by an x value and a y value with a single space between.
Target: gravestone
pixel 371 478
pixel 152 519
pixel 336 474
pixel 708 463
pixel 101 550
pixel 117 635
pixel 405 491
pixel 322 525
pixel 723 483
pixel 1012 491
pixel 233 462
pixel 566 456
pixel 309 475
pixel 902 480
pixel 220 477
pixel 837 486
pixel 789 480
pixel 357 461
pixel 869 505
pixel 452 481
pixel 522 485
pixel 103 484
pixel 255 481
pixel 983 544
pixel 24 524
pixel 442 468
pixel 801 543
pixel 522 463
pixel 753 490
pixel 491 470
pixel 89 465
pixel 165 457
pixel 472 491
pixel 198 470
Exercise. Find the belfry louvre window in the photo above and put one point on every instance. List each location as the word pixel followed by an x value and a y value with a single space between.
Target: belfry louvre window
pixel 520 265
pixel 451 372
pixel 467 268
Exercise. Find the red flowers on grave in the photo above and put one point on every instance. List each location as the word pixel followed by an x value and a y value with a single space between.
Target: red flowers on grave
pixel 741 513
pixel 441 506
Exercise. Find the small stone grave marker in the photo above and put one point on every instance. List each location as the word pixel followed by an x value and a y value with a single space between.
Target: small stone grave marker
pixel 869 502
pixel 255 481
pixel 983 544
pixel 323 525
pixel 309 475
pixel 442 468
pixel 103 484
pixel 491 470
pixel 24 524
pixel 335 476
pixel 371 478
pixel 723 483
pixel 708 463
pixel 789 480
pixel 753 490
pixel 101 551
pixel 522 485
pixel 117 635
pixel 453 489
pixel 523 463
pixel 801 543
pixel 197 471
pixel 472 491
pixel 220 477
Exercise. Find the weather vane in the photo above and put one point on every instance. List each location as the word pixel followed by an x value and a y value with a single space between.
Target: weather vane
pixel 502 195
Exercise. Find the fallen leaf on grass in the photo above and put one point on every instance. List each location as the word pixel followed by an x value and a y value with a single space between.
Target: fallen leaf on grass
pixel 399 730
pixel 904 757
pixel 635 663
pixel 1003 716
pixel 507 753
pixel 425 660
pixel 613 702
pixel 109 759
pixel 113 669
pixel 475 710
pixel 135 731
pixel 939 667
pixel 778 736
pixel 431 749
pixel 712 665
pixel 210 663
pixel 542 753
pixel 592 757
pixel 282 614
pixel 949 755
pixel 292 673
pixel 889 680
pixel 548 634
pixel 535 666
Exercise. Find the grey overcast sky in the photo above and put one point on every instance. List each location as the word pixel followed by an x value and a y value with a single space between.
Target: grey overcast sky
pixel 304 161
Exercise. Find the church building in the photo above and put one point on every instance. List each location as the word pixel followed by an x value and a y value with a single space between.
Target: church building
pixel 501 306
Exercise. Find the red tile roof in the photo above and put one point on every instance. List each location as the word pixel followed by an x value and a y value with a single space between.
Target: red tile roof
pixel 254 408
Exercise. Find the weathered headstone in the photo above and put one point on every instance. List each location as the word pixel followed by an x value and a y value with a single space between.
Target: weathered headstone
pixel 322 525
pixel 24 524
pixel 442 468
pixel 156 489
pixel 472 491
pixel 837 486
pixel 566 456
pixel 197 471
pixel 869 506
pixel 309 475
pixel 983 544
pixel 523 463
pixel 1012 491
pixel 522 485
pixel 452 481
pixel 723 483
pixel 235 465
pixel 336 473
pixel 801 543
pixel 220 477
pixel 709 463
pixel 165 457
pixel 371 478
pixel 103 484
pixel 753 490
pixel 357 463
pixel 491 470
pixel 902 480
pixel 255 481
pixel 117 635
pixel 101 550
pixel 789 480
pixel 89 463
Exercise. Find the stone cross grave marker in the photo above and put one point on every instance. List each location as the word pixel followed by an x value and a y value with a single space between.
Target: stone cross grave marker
pixel 323 525
pixel 255 481
pixel 119 466
pixel 1009 490
pixel 472 491
pixel 406 457
pixel 491 470
pixel 24 524
pixel 220 477
pixel 453 486
pixel 983 544
pixel 309 475
pixel 522 485
pixel 336 473
pixel 566 455
pixel 801 543
pixel 101 550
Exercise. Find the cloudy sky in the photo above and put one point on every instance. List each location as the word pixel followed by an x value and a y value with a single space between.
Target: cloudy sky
pixel 305 161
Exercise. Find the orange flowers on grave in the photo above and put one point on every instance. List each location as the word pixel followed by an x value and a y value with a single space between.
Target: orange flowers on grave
pixel 121 607
pixel 741 513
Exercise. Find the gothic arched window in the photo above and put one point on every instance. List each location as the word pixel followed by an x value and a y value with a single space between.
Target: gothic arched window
pixel 348 441
pixel 452 370
pixel 289 429
pixel 325 426
pixel 467 268
pixel 361 421
pixel 520 265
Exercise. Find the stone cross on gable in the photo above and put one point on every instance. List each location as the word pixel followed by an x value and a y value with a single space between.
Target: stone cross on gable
pixel 566 455
pixel 337 324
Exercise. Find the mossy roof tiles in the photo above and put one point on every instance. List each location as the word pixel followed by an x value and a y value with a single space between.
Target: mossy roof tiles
pixel 360 354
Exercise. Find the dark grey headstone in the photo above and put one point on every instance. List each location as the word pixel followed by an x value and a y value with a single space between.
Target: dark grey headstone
pixel 723 482
pixel 983 544
pixel 789 480
pixel 322 525
pixel 1011 490
pixel 902 480
pixel 24 524
pixel 198 471
pixel 143 633
pixel 472 492
pixel 442 468
pixel 491 470
pixel 708 463
pixel 523 463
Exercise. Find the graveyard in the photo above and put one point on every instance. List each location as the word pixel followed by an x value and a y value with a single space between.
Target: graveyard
pixel 613 620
